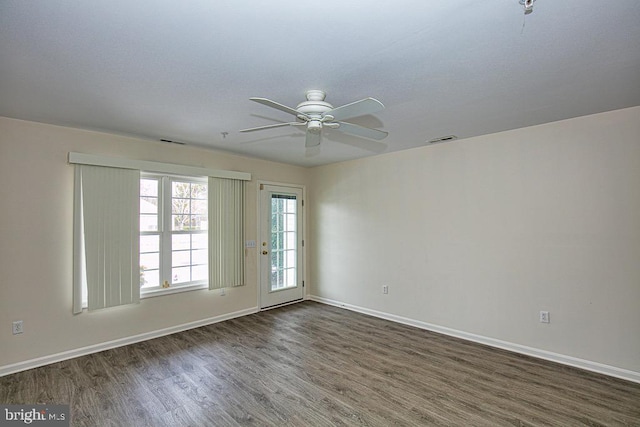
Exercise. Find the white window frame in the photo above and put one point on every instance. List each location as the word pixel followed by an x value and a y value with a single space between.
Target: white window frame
pixel 165 233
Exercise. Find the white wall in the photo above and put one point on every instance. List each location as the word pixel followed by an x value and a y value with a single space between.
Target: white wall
pixel 36 199
pixel 479 235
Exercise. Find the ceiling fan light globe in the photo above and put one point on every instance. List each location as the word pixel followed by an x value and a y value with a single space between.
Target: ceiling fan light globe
pixel 314 126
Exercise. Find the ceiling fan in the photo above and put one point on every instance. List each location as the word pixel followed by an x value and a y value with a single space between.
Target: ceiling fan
pixel 315 114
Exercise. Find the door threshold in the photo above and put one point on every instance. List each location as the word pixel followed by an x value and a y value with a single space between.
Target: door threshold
pixel 282 304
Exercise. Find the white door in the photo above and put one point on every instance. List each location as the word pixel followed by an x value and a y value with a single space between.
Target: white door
pixel 281 245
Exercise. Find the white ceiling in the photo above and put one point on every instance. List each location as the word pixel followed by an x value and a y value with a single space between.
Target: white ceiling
pixel 184 70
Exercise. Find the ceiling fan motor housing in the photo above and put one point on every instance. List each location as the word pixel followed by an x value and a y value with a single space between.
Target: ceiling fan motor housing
pixel 315 105
pixel 314 108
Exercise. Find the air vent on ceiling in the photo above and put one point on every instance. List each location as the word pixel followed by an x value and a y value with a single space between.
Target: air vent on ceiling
pixel 442 139
pixel 173 142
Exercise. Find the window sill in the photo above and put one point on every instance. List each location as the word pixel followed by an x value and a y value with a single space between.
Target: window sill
pixel 168 291
pixel 160 292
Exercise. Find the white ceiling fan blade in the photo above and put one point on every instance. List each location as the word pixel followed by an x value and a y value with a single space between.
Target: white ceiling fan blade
pixel 356 109
pixel 278 106
pixel 312 139
pixel 277 125
pixel 364 132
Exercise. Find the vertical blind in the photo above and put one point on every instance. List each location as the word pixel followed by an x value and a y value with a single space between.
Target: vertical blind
pixel 107 236
pixel 226 233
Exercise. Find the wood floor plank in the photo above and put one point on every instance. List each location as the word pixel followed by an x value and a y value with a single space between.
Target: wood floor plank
pixel 310 364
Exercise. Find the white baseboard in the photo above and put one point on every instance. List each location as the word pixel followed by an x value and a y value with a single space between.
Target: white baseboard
pixel 65 355
pixel 517 348
pixel 505 345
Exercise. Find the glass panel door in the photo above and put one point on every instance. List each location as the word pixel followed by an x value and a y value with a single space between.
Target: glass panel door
pixel 281 245
pixel 283 241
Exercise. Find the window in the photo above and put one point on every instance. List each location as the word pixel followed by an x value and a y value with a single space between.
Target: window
pixel 145 233
pixel 173 233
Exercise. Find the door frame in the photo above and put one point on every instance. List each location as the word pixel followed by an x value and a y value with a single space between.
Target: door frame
pixel 261 259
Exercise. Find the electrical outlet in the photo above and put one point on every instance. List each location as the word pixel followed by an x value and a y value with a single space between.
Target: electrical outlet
pixel 385 289
pixel 17 327
pixel 544 317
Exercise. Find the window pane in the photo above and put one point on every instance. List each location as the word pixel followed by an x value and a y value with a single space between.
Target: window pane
pixel 291 259
pixel 181 275
pixel 199 241
pixel 149 187
pixel 194 223
pixel 290 277
pixel 280 279
pixel 199 257
pixel 291 222
pixel 150 261
pixel 180 206
pixel 199 222
pixel 180 189
pixel 149 205
pixel 149 243
pixel 199 191
pixel 148 222
pixel 291 241
pixel 180 258
pixel 149 279
pixel 180 241
pixel 199 207
pixel 181 222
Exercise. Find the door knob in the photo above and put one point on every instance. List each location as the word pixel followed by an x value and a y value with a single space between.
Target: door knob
pixel 264 252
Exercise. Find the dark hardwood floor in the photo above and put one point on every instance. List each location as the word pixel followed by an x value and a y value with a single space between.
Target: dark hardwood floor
pixel 310 364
